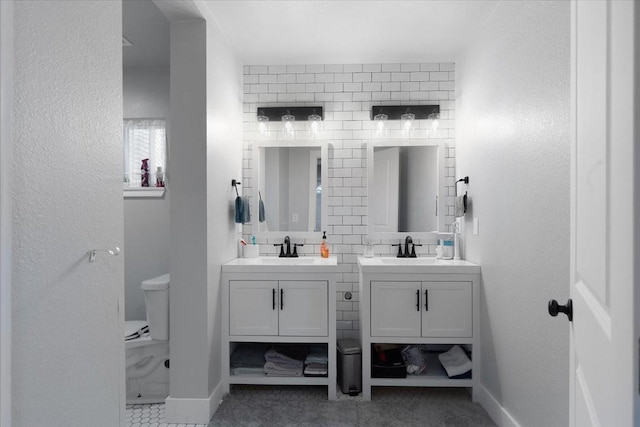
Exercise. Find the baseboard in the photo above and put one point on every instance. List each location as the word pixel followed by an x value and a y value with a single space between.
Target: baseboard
pixel 496 411
pixel 193 411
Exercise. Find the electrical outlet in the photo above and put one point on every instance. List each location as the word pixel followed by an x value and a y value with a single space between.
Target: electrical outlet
pixel 294 217
pixel 476 226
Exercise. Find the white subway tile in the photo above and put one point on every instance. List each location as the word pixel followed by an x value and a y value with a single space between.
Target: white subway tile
pixel 352 125
pixel 295 69
pixel 259 88
pixel 286 97
pixel 333 68
pixel 324 78
pixel 438 76
pixel 362 77
pixel 419 96
pixel 447 66
pixel 448 85
pixel 314 87
pixel 353 87
pixel 342 192
pixel 391 86
pixel 429 85
pixel 268 97
pixel 304 97
pixel 381 96
pixel 400 96
pixel 343 77
pixel 409 67
pixel 371 87
pixel 314 68
pixel 250 97
pixel 353 68
pixel 246 69
pixel 352 106
pixel 277 69
pixel 391 67
pixel 251 79
pixel 409 86
pixel 305 78
pixel 352 220
pixel 324 97
pixel 371 68
pixel 434 66
pixel 295 87
pixel 258 69
pixel 277 88
pixel 286 78
pixel 333 87
pixel 436 95
pixel 400 77
pixel 342 96
pixel 380 77
pixel 362 96
pixel 361 115
pixel 268 78
pixel 420 76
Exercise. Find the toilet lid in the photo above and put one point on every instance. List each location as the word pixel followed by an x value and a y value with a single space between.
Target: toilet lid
pixel 159 283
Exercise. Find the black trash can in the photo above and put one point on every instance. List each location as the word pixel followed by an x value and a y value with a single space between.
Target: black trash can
pixel 350 366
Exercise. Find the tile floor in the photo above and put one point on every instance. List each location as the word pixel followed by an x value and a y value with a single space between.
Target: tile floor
pixel 266 406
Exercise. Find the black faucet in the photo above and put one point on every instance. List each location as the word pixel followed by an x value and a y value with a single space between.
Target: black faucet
pixel 286 253
pixel 407 241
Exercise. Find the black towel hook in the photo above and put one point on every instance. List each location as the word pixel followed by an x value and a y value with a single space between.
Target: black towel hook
pixel 234 184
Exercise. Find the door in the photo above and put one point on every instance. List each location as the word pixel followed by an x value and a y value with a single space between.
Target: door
pixel 447 309
pixel 253 307
pixel 304 308
pixel 386 187
pixel 603 383
pixel 395 309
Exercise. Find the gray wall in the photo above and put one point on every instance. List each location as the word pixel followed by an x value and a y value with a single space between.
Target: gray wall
pixel 146 220
pixel 513 115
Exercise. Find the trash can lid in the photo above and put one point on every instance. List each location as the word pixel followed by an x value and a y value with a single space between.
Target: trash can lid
pixel 349 346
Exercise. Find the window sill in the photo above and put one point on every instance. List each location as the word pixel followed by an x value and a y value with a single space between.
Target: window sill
pixel 143 192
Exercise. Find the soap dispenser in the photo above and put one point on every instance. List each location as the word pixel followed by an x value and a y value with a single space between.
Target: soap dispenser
pixel 324 248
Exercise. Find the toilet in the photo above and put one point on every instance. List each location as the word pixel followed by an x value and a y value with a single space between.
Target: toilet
pixel 147 349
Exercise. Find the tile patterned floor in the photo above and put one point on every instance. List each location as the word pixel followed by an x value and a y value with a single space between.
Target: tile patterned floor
pixel 266 406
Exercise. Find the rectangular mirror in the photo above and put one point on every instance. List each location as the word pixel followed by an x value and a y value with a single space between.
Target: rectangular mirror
pixel 406 188
pixel 289 179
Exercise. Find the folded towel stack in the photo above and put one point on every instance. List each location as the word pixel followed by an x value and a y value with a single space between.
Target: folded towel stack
pixel 316 363
pixel 456 362
pixel 285 360
pixel 248 359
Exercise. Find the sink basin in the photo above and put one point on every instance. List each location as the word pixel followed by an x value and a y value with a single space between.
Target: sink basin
pixel 416 265
pixel 274 264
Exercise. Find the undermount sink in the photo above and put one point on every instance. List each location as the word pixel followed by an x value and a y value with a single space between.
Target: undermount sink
pixel 274 263
pixel 417 265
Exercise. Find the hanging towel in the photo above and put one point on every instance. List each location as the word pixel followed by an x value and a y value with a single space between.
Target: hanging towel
pixel 246 212
pixel 455 361
pixel 461 205
pixel 239 210
pixel 261 208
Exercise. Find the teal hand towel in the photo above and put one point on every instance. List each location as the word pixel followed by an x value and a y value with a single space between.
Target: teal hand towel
pixel 246 211
pixel 261 217
pixel 239 210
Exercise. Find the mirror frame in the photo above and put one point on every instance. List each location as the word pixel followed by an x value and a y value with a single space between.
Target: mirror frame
pixel 441 145
pixel 256 186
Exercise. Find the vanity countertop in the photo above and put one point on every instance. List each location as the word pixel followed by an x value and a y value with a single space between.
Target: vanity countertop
pixel 271 264
pixel 415 265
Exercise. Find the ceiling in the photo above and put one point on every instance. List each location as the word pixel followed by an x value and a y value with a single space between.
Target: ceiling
pixel 346 31
pixel 315 32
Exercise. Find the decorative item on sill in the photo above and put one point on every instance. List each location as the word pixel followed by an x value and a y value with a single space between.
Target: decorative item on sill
pixel 144 173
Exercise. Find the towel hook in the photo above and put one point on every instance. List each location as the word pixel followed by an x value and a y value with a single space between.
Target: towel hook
pixel 234 184
pixel 93 252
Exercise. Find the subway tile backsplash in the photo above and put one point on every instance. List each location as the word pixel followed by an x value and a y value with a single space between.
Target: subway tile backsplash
pixel 347 92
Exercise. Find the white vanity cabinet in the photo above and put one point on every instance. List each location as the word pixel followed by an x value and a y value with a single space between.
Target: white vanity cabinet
pixel 419 301
pixel 279 301
pixel 284 308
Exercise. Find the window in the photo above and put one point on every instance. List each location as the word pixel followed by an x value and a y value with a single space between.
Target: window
pixel 144 139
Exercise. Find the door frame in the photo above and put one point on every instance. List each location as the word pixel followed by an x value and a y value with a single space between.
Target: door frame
pixel 6 142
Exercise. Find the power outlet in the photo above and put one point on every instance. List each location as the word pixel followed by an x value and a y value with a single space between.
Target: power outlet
pixel 476 226
pixel 294 217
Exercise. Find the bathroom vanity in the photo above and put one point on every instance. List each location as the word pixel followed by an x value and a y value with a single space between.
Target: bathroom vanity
pixel 419 301
pixel 279 301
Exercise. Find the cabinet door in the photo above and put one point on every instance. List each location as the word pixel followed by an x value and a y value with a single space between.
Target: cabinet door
pixel 253 308
pixel 304 308
pixel 395 309
pixel 447 309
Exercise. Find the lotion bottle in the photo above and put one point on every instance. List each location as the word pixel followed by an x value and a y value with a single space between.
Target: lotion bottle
pixel 324 248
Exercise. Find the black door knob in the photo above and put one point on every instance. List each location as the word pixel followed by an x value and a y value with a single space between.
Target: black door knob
pixel 555 308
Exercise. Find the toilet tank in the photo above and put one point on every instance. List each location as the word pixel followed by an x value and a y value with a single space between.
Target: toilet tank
pixel 156 302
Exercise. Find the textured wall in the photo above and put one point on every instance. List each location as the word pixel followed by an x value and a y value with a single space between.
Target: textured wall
pixel 68 365
pixel 347 92
pixel 513 142
pixel 146 220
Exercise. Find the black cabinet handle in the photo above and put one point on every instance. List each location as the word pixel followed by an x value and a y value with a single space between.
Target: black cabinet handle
pixel 426 300
pixel 273 298
pixel 555 308
pixel 418 300
pixel 281 299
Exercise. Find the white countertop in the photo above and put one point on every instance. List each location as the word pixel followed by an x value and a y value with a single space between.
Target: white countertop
pixel 277 264
pixel 415 265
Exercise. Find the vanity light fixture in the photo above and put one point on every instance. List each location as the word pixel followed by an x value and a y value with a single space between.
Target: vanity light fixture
pixel 263 122
pixel 289 115
pixel 288 129
pixel 380 121
pixel 408 114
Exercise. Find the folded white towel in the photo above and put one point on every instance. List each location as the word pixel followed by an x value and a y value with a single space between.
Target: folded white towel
pixel 455 361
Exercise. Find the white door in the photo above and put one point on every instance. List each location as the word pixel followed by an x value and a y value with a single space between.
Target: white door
pixel 253 307
pixel 447 309
pixel 604 387
pixel 395 309
pixel 386 187
pixel 304 308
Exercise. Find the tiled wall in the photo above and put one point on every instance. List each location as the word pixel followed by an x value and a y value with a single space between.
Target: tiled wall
pixel 347 93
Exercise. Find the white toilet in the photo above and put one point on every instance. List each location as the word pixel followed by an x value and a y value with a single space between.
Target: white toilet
pixel 147 349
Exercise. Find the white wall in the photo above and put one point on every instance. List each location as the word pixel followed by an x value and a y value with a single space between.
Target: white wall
pixel 513 139
pixel 146 220
pixel 347 92
pixel 68 351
